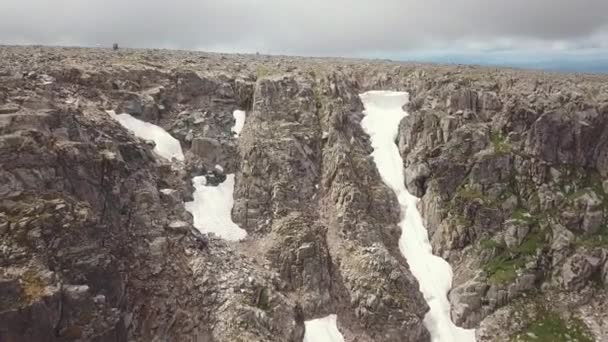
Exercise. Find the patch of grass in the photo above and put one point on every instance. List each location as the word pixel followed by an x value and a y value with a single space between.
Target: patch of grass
pixel 535 239
pixel 492 244
pixel 523 215
pixel 318 70
pixel 501 146
pixel 33 286
pixel 262 71
pixel 469 194
pixel 465 193
pixel 592 182
pixel 550 327
pixel 503 267
pixel 600 239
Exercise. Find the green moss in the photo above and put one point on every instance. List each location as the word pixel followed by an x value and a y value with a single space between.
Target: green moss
pixel 501 146
pixel 492 244
pixel 594 182
pixel 503 267
pixel 535 240
pixel 550 327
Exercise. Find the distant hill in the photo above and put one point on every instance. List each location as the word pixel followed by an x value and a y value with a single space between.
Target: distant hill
pixel 570 62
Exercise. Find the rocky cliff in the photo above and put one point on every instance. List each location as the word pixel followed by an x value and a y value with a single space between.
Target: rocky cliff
pixel 511 167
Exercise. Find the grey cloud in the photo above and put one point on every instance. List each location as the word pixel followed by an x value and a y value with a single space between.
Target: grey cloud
pixel 320 27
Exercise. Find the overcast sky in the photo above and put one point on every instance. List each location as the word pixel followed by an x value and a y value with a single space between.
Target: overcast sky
pixel 313 27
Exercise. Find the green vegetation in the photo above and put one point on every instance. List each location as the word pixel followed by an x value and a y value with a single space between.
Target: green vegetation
pixel 492 244
pixel 591 182
pixel 599 239
pixel 465 193
pixel 318 70
pixel 523 215
pixel 550 327
pixel 263 299
pixel 533 242
pixel 33 286
pixel 501 146
pixel 262 71
pixel 503 267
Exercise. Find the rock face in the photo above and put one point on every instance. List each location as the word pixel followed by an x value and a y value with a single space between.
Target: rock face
pixel 96 245
pixel 510 172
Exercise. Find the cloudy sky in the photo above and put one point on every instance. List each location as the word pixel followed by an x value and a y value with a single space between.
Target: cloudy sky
pixel 398 29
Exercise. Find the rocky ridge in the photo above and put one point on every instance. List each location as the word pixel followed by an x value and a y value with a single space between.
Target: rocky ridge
pixel 510 165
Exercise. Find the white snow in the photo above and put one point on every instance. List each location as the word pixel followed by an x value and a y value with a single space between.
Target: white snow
pixel 322 330
pixel 239 117
pixel 166 146
pixel 212 205
pixel 383 113
pixel 211 209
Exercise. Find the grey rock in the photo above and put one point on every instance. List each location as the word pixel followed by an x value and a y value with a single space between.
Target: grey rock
pixel 578 269
pixel 515 232
pixel 562 241
pixel 9 108
pixel 207 148
pixel 415 178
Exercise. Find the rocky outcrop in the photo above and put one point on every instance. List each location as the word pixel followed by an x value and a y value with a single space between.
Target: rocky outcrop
pixel 511 186
pixel 300 193
pixel 96 244
pixel 93 250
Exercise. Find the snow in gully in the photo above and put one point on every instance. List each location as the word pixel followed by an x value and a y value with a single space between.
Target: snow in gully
pixel 322 330
pixel 166 145
pixel 211 207
pixel 383 113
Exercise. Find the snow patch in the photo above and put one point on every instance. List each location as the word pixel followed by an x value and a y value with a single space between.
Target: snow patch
pixel 166 146
pixel 211 209
pixel 239 117
pixel 322 330
pixel 383 113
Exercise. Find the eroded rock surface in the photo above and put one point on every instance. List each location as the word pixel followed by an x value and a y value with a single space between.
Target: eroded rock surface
pixel 511 166
pixel 510 170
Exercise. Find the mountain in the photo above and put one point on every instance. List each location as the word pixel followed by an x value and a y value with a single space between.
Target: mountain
pixel 106 239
